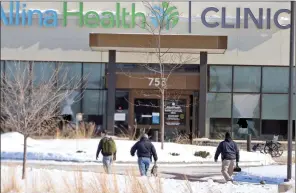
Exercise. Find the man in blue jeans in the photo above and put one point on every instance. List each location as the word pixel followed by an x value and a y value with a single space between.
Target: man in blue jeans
pixel 145 150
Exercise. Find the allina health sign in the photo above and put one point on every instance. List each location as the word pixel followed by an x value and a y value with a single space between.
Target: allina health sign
pixel 18 14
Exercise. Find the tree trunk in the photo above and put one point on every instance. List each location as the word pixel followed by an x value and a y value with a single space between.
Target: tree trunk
pixel 162 120
pixel 24 157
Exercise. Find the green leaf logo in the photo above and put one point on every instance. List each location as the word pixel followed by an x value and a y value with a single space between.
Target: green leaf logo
pixel 165 16
pixel 172 16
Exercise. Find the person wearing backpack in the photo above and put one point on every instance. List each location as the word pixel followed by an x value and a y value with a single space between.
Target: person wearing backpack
pixel 145 150
pixel 108 148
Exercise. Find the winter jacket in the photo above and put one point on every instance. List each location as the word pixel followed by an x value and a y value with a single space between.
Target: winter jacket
pixel 144 148
pixel 228 150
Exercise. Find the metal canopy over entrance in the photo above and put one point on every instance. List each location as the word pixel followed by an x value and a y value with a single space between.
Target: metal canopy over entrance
pixel 144 43
pixel 169 43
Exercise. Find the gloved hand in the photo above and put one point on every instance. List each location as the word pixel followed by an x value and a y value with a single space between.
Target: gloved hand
pixel 97 158
pixel 216 160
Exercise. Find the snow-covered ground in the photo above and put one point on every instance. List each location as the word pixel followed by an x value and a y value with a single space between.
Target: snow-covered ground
pixel 66 150
pixel 275 174
pixel 45 181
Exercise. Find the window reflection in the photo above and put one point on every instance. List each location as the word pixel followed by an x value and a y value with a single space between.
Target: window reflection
pixel 95 74
pixel 70 74
pixel 246 79
pixel 275 79
pixel 220 79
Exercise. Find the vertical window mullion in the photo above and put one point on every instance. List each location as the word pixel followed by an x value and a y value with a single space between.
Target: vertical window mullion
pixel 232 84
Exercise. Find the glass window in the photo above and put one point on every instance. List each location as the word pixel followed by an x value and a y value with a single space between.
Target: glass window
pixel 94 74
pixel 246 106
pixel 2 69
pixel 246 79
pixel 294 104
pixel 275 106
pixel 219 105
pixel 220 79
pixel 274 127
pixel 121 111
pixel 175 112
pixel 16 69
pixel 219 126
pixel 244 126
pixel 275 79
pixel 94 102
pixel 2 66
pixel 70 74
pixel 72 105
pixel 121 100
pixel 147 111
pixel 246 114
pixel 43 72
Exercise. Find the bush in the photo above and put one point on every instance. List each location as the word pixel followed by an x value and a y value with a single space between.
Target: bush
pixel 85 130
pixel 202 154
pixel 180 137
pixel 174 154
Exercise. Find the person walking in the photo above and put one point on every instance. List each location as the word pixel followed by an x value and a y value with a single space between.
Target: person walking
pixel 108 148
pixel 145 150
pixel 229 154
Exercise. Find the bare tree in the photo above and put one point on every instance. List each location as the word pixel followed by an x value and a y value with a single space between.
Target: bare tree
pixel 164 17
pixel 27 101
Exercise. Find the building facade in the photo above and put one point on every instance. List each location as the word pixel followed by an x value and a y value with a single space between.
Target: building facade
pixel 247 85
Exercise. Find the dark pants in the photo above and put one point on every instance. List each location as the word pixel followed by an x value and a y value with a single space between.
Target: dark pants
pixel 144 163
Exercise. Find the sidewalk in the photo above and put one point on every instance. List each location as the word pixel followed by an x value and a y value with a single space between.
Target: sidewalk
pixel 118 163
pixel 241 143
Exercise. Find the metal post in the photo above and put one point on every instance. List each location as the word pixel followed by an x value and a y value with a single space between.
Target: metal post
pixel 291 80
pixel 293 64
pixel 249 139
pixel 111 91
pixel 155 135
pixel 79 118
pixel 203 90
pixel 189 17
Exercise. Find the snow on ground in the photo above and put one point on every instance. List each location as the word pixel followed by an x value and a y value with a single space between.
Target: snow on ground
pixel 275 174
pixel 41 180
pixel 66 150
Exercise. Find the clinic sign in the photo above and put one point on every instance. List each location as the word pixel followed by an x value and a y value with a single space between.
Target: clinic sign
pixel 262 21
pixel 19 14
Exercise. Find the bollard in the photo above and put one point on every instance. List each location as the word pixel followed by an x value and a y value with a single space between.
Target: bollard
pixel 249 139
pixel 155 135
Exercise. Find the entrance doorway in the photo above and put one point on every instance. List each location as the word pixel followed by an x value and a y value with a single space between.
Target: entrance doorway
pixel 145 115
pixel 147 111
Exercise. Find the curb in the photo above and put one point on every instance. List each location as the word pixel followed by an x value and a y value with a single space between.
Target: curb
pixel 163 164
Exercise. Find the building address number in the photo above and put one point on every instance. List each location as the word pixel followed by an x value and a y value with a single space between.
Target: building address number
pixel 157 82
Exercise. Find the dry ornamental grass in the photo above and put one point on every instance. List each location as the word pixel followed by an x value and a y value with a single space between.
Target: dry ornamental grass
pixel 41 181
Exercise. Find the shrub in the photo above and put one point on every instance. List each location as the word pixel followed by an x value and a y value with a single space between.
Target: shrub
pixel 174 154
pixel 85 130
pixel 202 154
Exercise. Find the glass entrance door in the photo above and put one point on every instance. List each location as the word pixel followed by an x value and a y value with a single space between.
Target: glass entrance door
pixel 147 111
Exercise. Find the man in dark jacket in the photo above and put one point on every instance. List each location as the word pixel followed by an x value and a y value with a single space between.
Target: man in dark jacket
pixel 145 150
pixel 229 153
